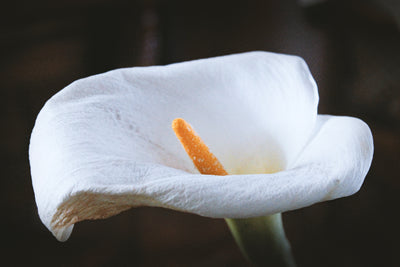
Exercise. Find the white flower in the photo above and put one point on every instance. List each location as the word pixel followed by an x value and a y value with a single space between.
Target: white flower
pixel 104 144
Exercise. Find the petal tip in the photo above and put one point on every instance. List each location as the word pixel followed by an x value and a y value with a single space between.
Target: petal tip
pixel 63 233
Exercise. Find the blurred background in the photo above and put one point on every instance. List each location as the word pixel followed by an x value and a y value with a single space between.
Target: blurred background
pixel 351 47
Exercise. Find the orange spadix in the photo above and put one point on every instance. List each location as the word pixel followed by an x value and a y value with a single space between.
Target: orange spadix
pixel 199 153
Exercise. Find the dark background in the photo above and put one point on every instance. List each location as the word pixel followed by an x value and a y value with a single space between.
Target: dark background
pixel 353 51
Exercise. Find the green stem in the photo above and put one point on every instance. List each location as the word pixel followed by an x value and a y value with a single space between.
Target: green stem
pixel 262 240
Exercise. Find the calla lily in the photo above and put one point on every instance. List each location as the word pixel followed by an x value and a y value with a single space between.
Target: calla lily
pixel 104 144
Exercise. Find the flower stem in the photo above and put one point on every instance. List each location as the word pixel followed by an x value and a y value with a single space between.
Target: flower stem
pixel 262 240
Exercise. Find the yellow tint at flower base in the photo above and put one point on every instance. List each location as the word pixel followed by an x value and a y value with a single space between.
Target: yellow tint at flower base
pixel 261 239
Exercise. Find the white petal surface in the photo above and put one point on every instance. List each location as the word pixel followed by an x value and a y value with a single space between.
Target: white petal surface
pixel 105 144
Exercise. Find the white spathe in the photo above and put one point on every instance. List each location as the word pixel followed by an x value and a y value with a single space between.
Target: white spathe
pixel 105 144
